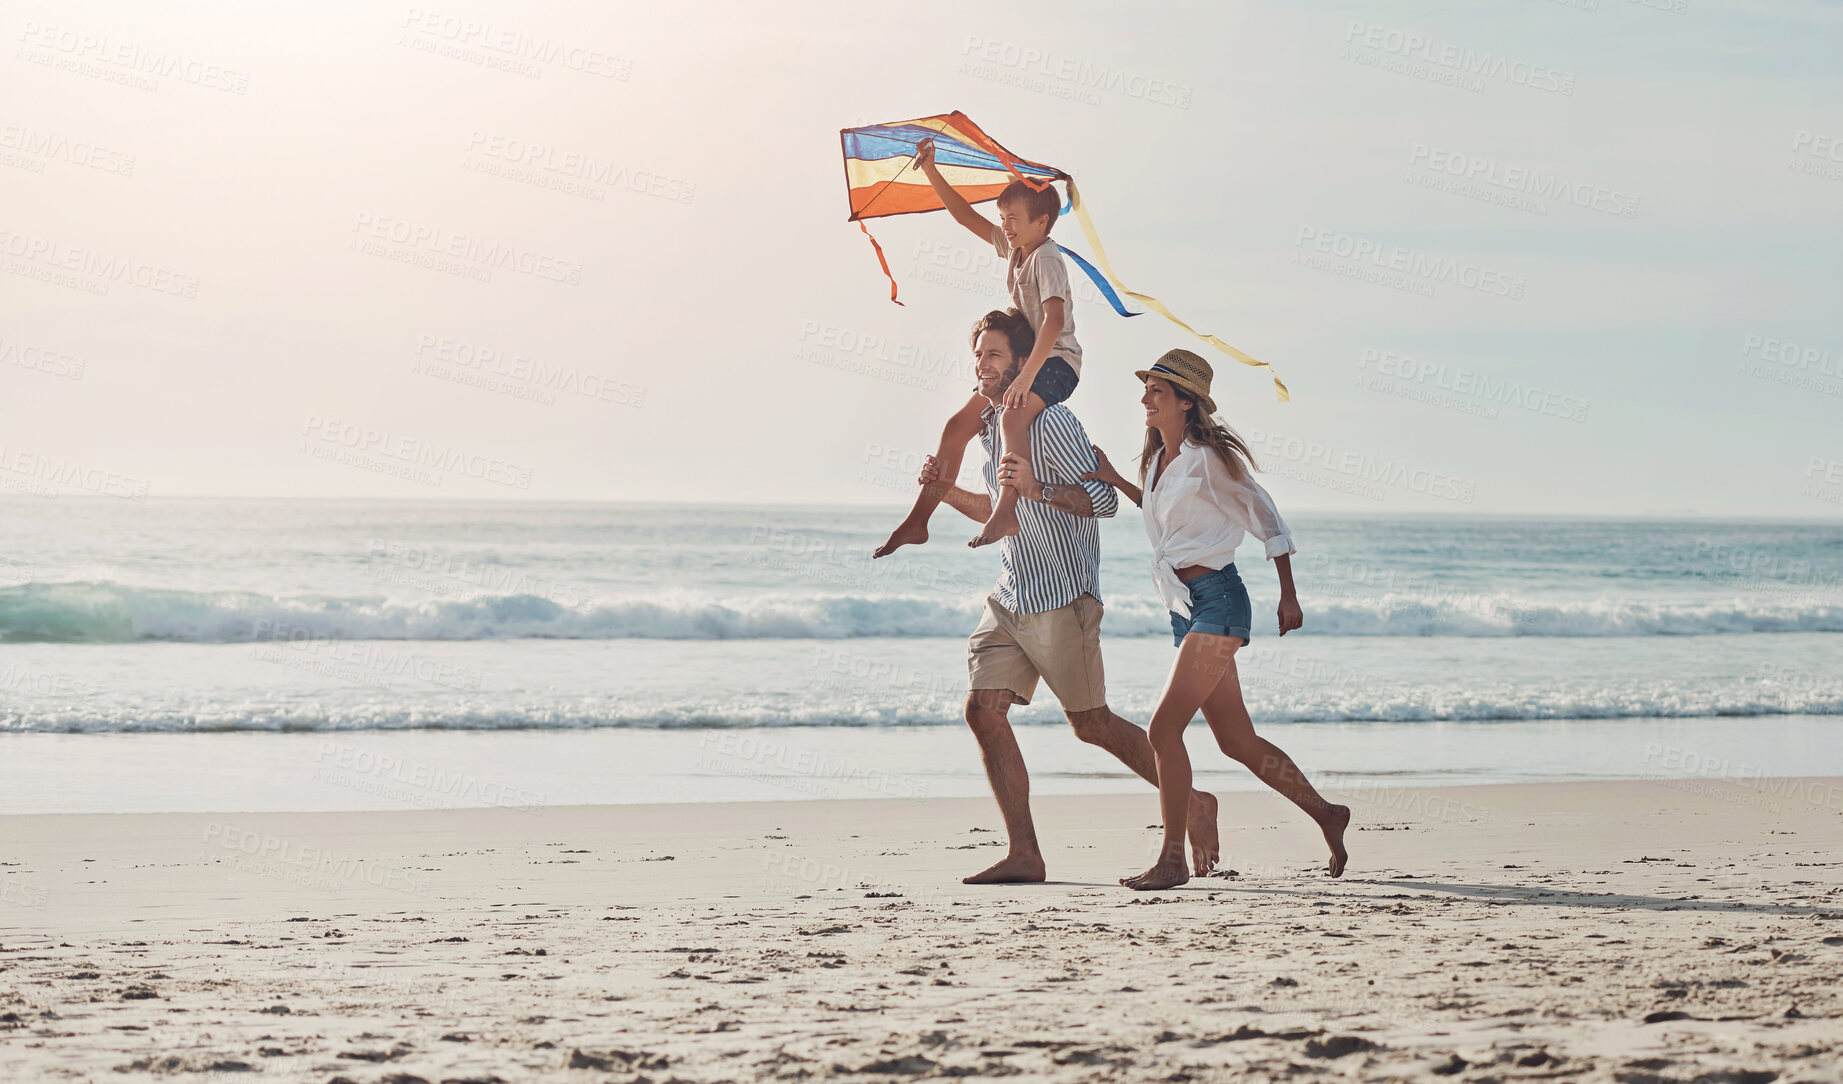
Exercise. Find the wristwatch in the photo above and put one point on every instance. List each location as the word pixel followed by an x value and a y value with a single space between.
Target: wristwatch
pixel 1045 493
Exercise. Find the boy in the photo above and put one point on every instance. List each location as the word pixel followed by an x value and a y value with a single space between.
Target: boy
pixel 1038 280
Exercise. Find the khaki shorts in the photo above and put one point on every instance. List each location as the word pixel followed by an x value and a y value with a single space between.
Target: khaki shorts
pixel 1062 646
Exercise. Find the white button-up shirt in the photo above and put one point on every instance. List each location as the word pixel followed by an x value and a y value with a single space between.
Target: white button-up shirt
pixel 1198 513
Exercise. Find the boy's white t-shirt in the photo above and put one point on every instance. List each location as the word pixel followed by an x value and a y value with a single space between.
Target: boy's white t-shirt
pixel 1035 278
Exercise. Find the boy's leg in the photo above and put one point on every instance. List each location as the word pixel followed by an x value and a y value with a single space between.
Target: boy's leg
pixel 1014 427
pixel 961 428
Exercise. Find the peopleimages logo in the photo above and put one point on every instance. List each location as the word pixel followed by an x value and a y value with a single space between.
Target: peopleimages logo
pixel 561 166
pixel 519 51
pixel 1473 384
pixel 1457 59
pixel 1792 354
pixel 1406 263
pixel 1070 76
pixel 1360 466
pixel 334 435
pixel 374 234
pixel 95 269
pixel 131 61
pixel 54 147
pixel 1522 180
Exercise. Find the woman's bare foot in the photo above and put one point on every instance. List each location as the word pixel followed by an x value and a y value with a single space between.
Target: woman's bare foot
pixel 1003 524
pixel 906 534
pixel 1337 818
pixel 1205 844
pixel 1012 869
pixel 1167 874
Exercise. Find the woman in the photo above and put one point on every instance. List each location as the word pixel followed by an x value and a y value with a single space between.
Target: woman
pixel 1199 502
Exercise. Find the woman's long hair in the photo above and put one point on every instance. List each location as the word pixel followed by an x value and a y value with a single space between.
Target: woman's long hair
pixel 1205 430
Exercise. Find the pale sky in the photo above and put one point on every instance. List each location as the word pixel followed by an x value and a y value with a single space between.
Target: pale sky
pixel 1660 182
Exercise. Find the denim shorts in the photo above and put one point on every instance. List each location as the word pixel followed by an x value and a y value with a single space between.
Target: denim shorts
pixel 1218 605
pixel 1055 382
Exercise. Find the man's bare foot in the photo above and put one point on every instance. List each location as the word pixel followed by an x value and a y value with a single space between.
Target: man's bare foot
pixel 1167 874
pixel 1205 845
pixel 1012 869
pixel 1336 820
pixel 905 534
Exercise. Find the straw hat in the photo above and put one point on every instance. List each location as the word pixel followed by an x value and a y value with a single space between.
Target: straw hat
pixel 1184 370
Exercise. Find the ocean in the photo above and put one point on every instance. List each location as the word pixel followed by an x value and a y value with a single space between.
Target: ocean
pixel 235 654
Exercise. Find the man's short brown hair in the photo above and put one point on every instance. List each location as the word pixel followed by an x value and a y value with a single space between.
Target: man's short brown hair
pixel 1036 202
pixel 1012 325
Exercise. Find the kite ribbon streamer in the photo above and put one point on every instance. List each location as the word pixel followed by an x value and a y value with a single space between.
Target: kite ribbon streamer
pixel 1153 303
pixel 881 260
pixel 1100 281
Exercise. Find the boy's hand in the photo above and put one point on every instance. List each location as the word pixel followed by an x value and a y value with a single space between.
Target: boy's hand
pixel 924 155
pixel 1014 395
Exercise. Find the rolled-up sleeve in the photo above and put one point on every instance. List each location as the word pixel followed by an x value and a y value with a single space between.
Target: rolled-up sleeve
pixel 1064 455
pixel 1245 497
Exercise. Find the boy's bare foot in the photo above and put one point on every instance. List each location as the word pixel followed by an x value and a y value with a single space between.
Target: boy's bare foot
pixel 1012 869
pixel 905 534
pixel 1336 820
pixel 1167 874
pixel 1003 524
pixel 1205 846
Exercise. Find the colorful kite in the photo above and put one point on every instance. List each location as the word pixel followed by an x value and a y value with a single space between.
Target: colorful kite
pixel 880 183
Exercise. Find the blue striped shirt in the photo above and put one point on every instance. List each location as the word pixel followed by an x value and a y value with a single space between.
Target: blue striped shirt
pixel 1055 558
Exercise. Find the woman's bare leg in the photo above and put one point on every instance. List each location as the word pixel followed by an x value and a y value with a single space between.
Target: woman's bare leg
pixel 1194 673
pixel 961 428
pixel 1228 720
pixel 1014 429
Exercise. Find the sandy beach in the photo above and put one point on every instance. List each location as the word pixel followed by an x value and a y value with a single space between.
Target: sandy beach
pixel 1635 932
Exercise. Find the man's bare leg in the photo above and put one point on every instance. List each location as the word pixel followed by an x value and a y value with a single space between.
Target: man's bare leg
pixel 960 430
pixel 1014 429
pixel 987 714
pixel 1228 720
pixel 1129 745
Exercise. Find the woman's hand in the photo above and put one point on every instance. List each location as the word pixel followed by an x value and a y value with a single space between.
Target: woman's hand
pixel 1291 617
pixel 1104 472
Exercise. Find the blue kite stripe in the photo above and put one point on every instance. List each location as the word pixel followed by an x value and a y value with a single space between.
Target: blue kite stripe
pixel 1100 281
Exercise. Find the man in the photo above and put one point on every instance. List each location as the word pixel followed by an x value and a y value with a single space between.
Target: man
pixel 1043 619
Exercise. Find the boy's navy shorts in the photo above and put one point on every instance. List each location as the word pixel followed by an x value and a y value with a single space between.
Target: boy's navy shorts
pixel 1055 381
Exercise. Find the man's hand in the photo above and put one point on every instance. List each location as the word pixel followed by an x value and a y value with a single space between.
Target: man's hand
pixel 924 155
pixel 1291 617
pixel 930 471
pixel 1014 471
